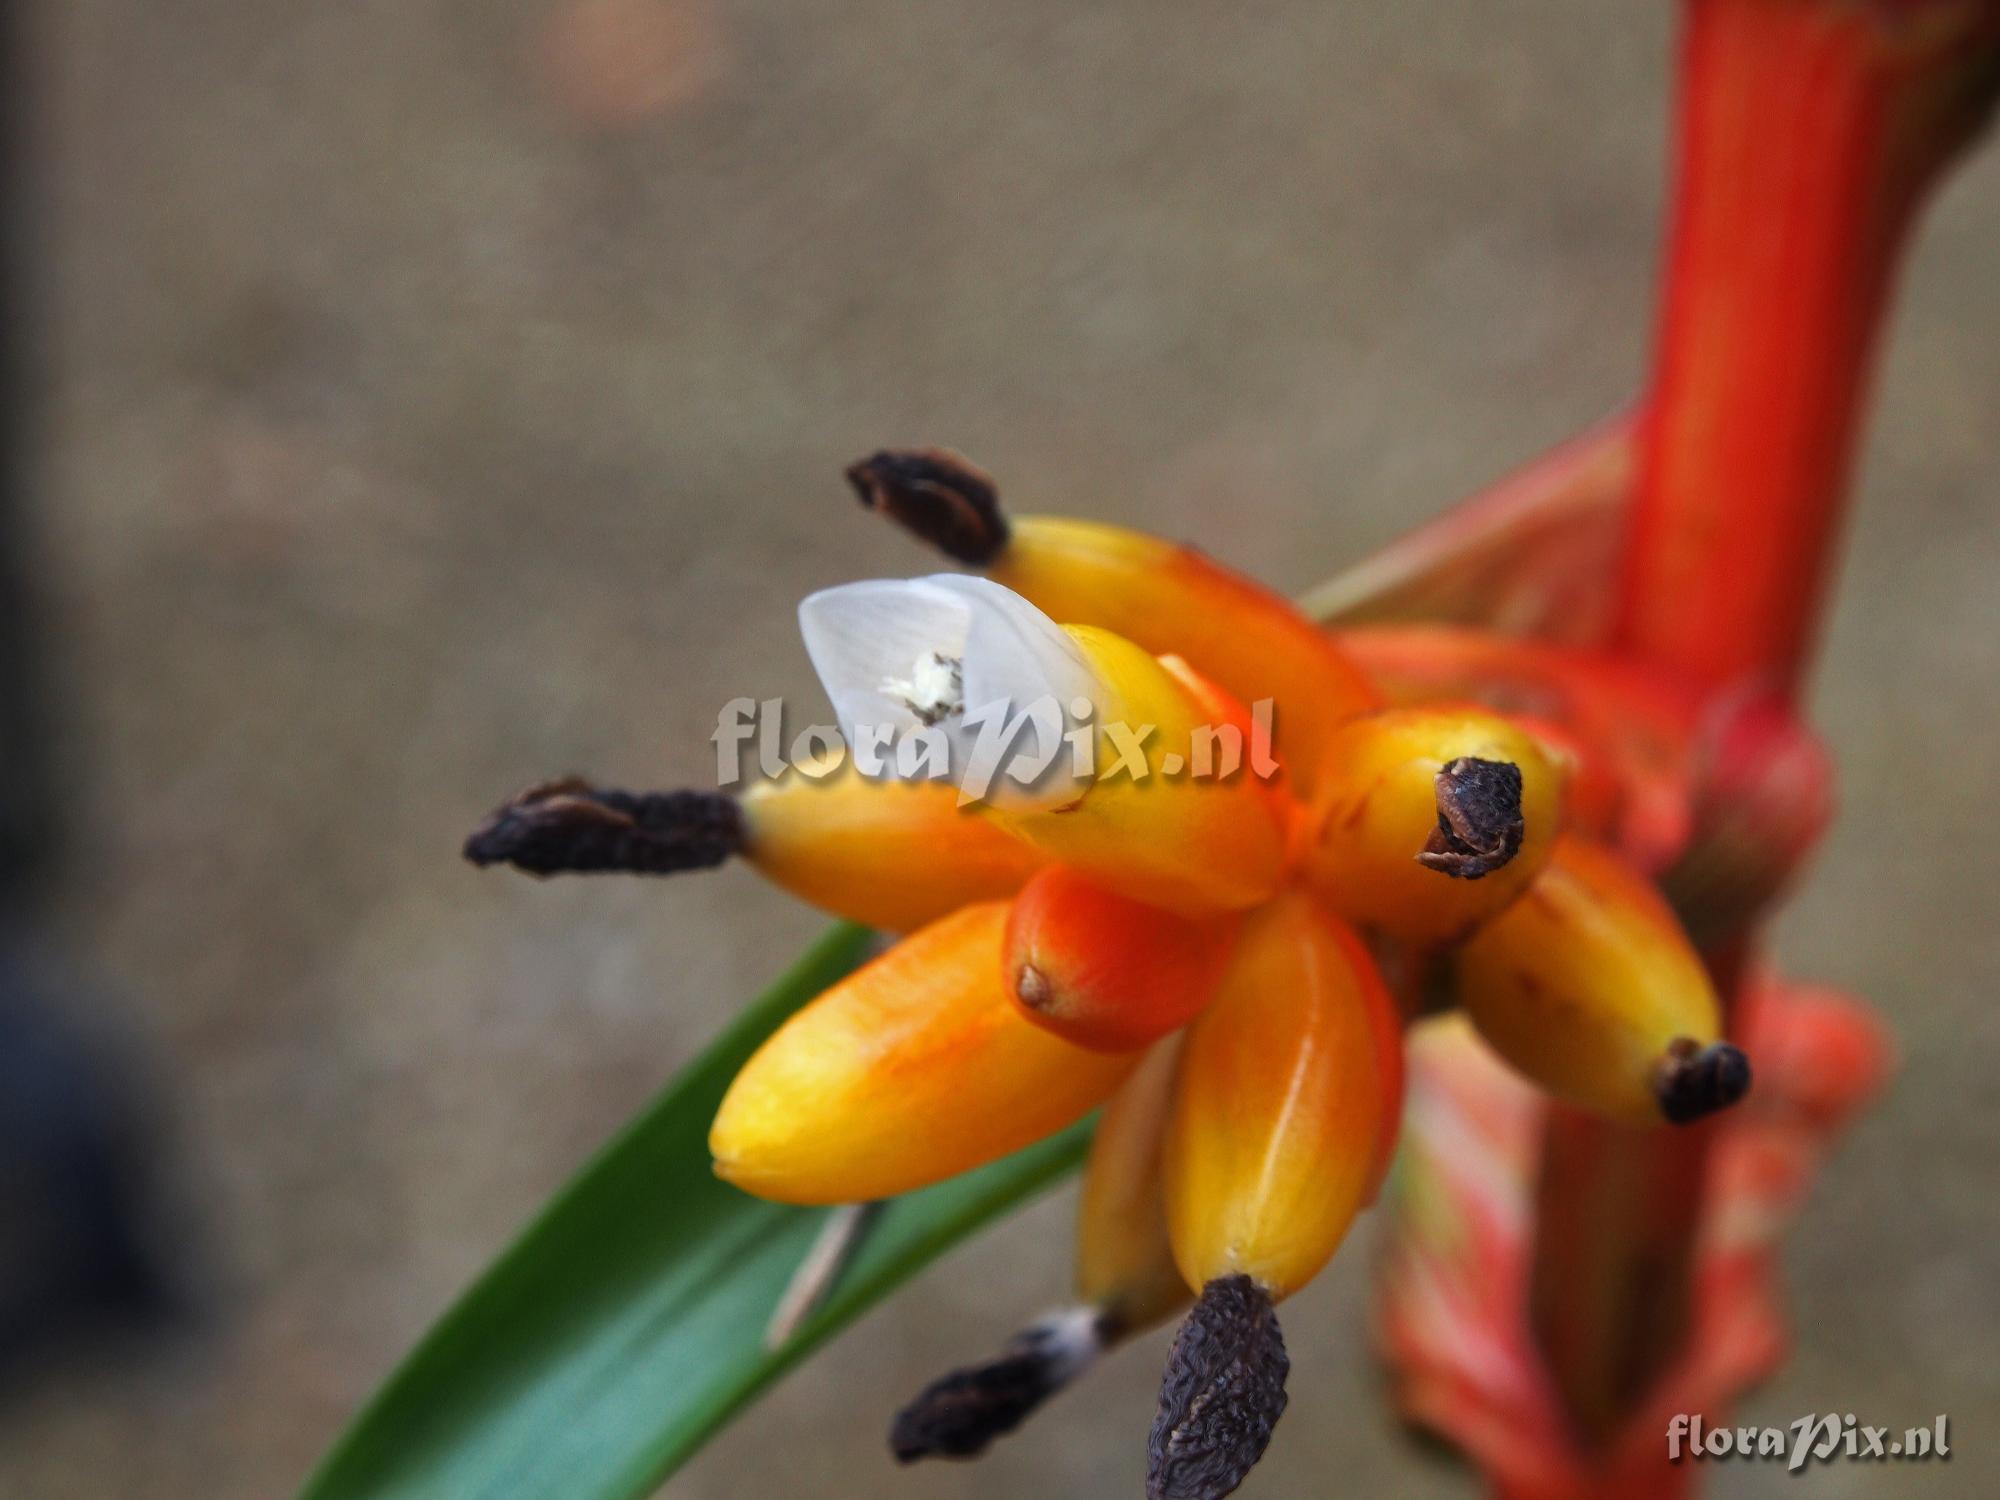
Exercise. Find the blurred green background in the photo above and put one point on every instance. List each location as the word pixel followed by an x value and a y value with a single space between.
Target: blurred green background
pixel 436 395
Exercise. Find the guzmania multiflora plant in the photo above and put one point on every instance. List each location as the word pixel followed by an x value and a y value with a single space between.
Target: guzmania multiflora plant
pixel 1207 957
pixel 1535 776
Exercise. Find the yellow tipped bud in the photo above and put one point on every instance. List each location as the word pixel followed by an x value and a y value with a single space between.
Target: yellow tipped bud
pixel 1432 820
pixel 1588 986
pixel 1283 1097
pixel 891 854
pixel 1171 599
pixel 1124 1262
pixel 912 1069
pixel 1160 822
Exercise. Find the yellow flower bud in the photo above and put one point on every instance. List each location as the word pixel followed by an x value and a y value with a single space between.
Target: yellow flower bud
pixel 1589 987
pixel 1432 820
pixel 1283 1097
pixel 1159 822
pixel 912 1069
pixel 891 854
pixel 1172 599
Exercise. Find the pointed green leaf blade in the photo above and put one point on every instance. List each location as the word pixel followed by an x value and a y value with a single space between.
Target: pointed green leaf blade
pixel 626 1325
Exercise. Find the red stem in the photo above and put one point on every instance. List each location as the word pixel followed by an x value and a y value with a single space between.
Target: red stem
pixel 1808 131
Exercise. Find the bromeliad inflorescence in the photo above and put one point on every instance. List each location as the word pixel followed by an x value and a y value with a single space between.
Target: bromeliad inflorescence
pixel 1224 961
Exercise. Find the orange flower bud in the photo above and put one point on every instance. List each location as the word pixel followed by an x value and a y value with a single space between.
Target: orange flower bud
pixel 1104 971
pixel 1281 1104
pixel 1173 599
pixel 891 854
pixel 912 1069
pixel 1433 819
pixel 1588 986
pixel 1160 823
pixel 1124 1262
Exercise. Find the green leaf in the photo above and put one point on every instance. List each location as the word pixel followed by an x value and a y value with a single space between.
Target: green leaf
pixel 626 1325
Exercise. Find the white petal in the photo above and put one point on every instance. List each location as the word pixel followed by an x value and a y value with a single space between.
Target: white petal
pixel 1013 652
pixel 877 645
pixel 862 636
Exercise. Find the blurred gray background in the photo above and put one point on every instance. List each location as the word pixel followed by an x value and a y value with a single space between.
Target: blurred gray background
pixel 440 394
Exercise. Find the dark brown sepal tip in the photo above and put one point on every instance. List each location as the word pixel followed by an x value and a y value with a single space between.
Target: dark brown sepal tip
pixel 1693 1081
pixel 958 1415
pixel 571 827
pixel 1479 826
pixel 937 496
pixel 1223 1392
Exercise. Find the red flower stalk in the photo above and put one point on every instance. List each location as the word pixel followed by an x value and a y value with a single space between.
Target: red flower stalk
pixel 1808 134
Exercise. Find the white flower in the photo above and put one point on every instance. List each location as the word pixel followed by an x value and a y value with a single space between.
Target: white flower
pixel 960 662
